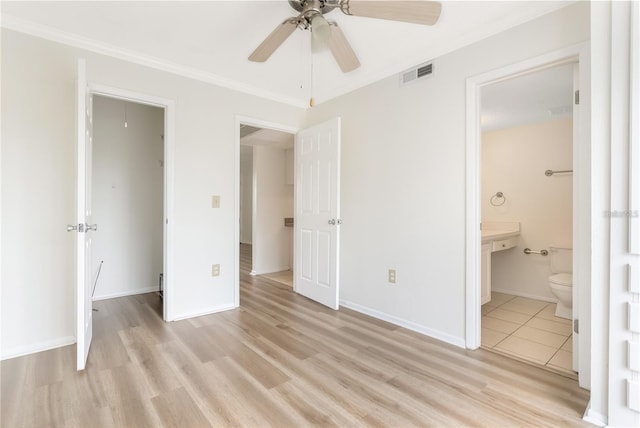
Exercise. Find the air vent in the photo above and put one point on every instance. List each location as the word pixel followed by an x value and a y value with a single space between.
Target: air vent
pixel 414 74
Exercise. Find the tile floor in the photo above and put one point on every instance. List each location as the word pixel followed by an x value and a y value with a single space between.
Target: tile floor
pixel 528 330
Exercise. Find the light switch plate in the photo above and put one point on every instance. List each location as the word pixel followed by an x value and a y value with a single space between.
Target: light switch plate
pixel 215 201
pixel 215 270
pixel 392 276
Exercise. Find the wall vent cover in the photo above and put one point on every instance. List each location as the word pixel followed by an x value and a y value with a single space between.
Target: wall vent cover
pixel 416 73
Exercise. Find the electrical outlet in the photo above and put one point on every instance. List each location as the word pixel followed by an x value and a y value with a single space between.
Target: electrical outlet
pixel 215 270
pixel 215 201
pixel 392 276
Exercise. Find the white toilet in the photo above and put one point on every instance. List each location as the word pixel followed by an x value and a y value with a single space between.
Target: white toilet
pixel 561 282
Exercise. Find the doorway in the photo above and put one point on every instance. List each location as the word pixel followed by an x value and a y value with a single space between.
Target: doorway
pixel 580 196
pixel 128 199
pixel 266 202
pixel 526 212
pixel 316 201
pixel 244 193
pixel 153 118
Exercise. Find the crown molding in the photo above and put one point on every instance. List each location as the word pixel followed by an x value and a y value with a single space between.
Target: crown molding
pixel 45 32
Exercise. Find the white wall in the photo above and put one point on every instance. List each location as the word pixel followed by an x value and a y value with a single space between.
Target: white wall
pixel 513 162
pixel 128 195
pixel 38 184
pixel 271 239
pixel 246 198
pixel 403 178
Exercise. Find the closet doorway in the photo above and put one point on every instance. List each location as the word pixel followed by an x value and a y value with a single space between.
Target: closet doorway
pixel 128 199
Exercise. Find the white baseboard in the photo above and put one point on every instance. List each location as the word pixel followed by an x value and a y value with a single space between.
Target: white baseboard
pixel 210 311
pixel 527 295
pixel 410 325
pixel 126 293
pixel 270 270
pixel 20 351
pixel 595 418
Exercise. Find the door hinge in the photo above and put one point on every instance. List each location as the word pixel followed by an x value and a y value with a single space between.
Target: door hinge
pixel 576 97
pixel 576 326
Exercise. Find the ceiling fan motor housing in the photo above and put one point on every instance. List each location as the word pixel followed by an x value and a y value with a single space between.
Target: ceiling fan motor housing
pixel 310 7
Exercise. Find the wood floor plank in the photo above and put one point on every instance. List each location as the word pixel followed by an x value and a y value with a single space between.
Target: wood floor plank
pixel 280 360
pixel 207 387
pixel 177 409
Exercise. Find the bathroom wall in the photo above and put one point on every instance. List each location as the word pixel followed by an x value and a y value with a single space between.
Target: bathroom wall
pixel 127 196
pixel 513 162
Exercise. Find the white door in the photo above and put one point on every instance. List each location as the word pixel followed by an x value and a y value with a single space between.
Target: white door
pixel 317 212
pixel 83 226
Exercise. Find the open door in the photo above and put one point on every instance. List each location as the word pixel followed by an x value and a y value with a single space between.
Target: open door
pixel 83 226
pixel 317 213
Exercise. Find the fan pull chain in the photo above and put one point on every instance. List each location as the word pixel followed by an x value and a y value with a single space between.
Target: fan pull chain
pixel 311 83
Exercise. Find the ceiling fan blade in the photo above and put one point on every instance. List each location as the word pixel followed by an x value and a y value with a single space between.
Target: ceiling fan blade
pixel 416 11
pixel 274 40
pixel 341 50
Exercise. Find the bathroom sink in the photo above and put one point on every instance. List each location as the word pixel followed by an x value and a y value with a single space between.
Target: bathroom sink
pixel 496 230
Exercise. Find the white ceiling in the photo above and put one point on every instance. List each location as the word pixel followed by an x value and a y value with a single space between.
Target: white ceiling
pixel 531 98
pixel 211 40
pixel 268 137
pixel 264 137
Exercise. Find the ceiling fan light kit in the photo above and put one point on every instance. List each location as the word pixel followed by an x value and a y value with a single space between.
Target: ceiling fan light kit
pixel 325 32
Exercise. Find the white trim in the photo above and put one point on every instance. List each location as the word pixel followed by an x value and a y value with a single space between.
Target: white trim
pixel 38 30
pixel 32 348
pixel 634 131
pixel 410 325
pixel 576 53
pixel 270 270
pixel 169 107
pixel 595 418
pixel 210 311
pixel 259 123
pixel 126 293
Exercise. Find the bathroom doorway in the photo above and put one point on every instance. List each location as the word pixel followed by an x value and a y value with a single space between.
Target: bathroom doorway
pixel 580 196
pixel 527 216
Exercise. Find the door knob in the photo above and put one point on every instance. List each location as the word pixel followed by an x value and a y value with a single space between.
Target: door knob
pixel 332 222
pixel 93 227
pixel 71 227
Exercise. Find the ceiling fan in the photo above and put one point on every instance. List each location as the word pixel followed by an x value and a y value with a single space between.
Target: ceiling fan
pixel 325 32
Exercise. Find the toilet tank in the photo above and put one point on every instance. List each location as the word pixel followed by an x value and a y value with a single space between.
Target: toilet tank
pixel 561 258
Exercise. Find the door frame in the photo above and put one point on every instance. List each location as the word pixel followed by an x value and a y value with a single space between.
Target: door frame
pixel 581 195
pixel 258 123
pixel 169 134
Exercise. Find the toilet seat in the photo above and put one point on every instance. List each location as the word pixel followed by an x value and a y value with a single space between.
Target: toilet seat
pixel 564 279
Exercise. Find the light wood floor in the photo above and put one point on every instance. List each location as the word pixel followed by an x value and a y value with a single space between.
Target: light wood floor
pixel 279 360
